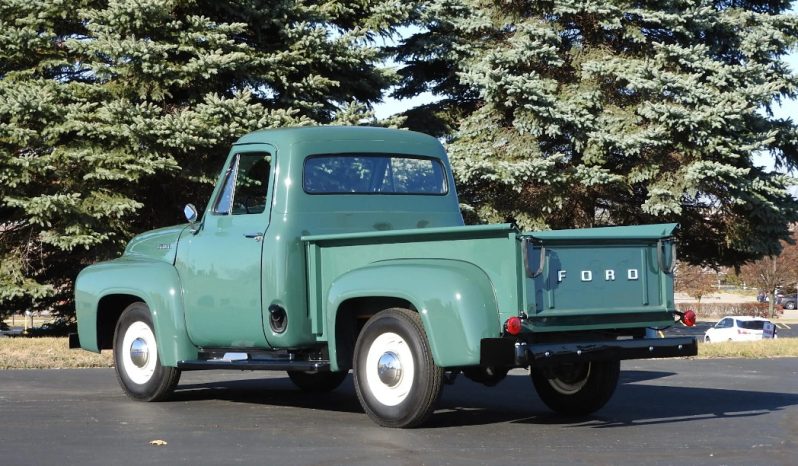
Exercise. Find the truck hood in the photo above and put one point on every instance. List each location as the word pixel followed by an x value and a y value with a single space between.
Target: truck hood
pixel 160 244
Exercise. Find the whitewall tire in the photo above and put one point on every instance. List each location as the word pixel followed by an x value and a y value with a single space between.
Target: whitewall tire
pixel 138 367
pixel 396 379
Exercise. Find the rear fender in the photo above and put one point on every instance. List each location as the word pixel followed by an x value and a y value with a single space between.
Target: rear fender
pixel 155 283
pixel 455 299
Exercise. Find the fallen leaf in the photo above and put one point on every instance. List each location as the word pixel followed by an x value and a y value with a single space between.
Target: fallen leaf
pixel 158 443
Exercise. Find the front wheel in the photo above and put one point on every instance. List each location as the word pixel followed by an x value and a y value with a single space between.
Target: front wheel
pixel 138 367
pixel 577 389
pixel 790 305
pixel 396 380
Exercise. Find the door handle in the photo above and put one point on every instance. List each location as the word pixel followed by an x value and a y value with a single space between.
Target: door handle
pixel 257 236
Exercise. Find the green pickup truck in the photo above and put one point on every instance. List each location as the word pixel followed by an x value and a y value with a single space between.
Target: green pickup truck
pixel 325 249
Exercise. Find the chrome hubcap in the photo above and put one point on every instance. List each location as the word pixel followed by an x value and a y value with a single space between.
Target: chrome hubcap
pixel 389 369
pixel 139 353
pixel 570 379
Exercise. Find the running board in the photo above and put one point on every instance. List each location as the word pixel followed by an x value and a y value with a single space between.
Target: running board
pixel 254 365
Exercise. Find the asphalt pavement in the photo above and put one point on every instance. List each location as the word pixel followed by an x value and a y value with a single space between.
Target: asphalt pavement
pixel 664 412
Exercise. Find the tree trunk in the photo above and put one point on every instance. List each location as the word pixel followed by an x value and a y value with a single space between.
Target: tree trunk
pixel 772 303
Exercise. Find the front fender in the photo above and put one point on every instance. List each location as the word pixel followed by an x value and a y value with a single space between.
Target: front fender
pixel 455 299
pixel 155 283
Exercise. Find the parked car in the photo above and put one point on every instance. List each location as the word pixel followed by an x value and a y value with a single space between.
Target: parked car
pixel 738 328
pixel 788 302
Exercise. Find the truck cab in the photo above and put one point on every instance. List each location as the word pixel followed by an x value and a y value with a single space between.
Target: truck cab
pixel 246 256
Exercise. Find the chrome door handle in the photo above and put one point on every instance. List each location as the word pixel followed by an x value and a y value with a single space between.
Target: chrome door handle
pixel 256 236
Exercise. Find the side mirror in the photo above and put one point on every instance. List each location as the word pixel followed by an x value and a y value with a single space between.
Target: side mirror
pixel 191 213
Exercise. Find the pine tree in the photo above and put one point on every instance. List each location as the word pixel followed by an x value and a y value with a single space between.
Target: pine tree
pixel 114 114
pixel 579 113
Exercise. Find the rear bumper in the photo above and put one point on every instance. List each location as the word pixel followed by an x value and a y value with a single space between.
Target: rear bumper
pixel 505 352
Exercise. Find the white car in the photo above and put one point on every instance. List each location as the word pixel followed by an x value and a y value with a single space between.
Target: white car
pixel 740 328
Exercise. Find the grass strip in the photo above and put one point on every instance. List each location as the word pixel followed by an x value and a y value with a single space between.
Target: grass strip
pixel 47 353
pixel 762 349
pixel 54 353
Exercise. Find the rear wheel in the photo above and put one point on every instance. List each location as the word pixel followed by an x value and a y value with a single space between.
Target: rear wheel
pixel 317 381
pixel 789 305
pixel 396 380
pixel 138 367
pixel 577 389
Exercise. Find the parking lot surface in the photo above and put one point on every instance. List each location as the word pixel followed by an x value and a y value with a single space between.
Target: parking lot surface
pixel 664 412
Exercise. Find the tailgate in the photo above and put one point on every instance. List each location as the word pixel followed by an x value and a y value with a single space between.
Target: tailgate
pixel 616 277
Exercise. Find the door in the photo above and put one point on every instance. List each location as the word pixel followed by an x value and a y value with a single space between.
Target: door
pixel 220 264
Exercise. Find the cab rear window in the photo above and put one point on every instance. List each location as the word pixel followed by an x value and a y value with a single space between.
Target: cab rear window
pixel 373 174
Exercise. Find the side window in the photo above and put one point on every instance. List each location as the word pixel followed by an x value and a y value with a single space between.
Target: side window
pixel 725 323
pixel 245 185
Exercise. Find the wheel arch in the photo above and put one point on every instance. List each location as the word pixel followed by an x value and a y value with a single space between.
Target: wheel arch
pixel 104 290
pixel 455 300
pixel 109 310
pixel 351 315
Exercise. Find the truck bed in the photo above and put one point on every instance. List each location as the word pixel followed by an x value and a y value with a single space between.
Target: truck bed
pixel 615 277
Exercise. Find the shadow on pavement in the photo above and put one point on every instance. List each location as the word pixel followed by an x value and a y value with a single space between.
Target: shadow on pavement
pixel 642 376
pixel 271 391
pixel 638 405
pixel 514 400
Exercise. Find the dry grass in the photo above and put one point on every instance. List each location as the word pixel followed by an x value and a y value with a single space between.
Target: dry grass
pixel 47 353
pixel 54 353
pixel 762 349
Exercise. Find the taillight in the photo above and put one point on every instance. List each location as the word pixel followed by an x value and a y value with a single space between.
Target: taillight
pixel 688 318
pixel 513 325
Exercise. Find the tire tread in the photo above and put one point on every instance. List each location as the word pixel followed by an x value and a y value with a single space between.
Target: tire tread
pixel 434 373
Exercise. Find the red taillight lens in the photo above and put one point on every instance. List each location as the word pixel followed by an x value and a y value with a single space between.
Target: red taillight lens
pixel 689 318
pixel 513 326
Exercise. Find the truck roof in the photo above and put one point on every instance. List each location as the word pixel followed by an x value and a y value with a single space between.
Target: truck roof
pixel 288 136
